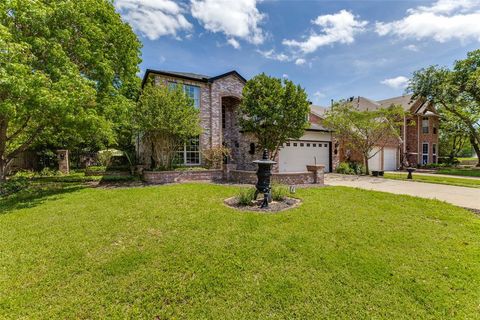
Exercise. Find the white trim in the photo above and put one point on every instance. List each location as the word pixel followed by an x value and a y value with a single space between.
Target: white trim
pixel 426 154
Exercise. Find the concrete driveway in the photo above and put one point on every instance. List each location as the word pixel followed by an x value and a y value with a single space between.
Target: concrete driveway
pixel 459 196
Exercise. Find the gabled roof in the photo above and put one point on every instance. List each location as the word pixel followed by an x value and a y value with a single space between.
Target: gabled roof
pixel 405 101
pixel 318 110
pixel 191 76
pixel 364 104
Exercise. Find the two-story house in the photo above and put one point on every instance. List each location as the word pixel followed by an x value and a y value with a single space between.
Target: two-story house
pixel 218 98
pixel 418 143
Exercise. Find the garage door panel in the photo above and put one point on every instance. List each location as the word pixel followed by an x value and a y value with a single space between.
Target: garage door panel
pixel 294 156
pixel 390 159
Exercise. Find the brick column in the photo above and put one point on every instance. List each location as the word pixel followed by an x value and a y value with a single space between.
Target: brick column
pixel 63 165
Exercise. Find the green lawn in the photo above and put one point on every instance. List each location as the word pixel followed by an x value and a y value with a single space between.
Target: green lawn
pixel 177 252
pixel 453 181
pixel 469 172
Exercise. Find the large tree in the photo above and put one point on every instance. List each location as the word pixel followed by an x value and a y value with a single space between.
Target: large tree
pixel 365 131
pixel 453 138
pixel 274 111
pixel 455 92
pixel 166 118
pixel 67 72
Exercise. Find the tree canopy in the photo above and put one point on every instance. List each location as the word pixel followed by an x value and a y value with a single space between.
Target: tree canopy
pixel 455 92
pixel 364 131
pixel 65 67
pixel 166 118
pixel 274 111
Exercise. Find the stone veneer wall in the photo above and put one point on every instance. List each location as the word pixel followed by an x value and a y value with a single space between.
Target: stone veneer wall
pixel 161 177
pixel 291 178
pixel 236 176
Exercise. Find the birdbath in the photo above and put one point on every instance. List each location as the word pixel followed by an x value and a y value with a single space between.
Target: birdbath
pixel 410 171
pixel 264 173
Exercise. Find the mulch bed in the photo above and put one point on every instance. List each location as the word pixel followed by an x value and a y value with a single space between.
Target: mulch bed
pixel 273 207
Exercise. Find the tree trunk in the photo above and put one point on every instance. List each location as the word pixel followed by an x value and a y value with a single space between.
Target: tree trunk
pixel 3 144
pixel 3 170
pixel 476 147
pixel 365 163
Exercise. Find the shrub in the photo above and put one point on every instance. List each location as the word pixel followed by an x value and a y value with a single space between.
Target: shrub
pixel 213 157
pixel 49 172
pixel 344 168
pixel 28 174
pixel 279 192
pixel 96 168
pixel 246 196
pixel 13 185
pixel 105 157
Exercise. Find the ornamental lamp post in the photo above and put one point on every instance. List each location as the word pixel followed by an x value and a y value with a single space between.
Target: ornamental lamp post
pixel 264 173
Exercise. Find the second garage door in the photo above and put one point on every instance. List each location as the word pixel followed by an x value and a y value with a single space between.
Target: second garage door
pixel 294 156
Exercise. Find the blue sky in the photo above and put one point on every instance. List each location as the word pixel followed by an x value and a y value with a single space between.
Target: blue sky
pixel 334 49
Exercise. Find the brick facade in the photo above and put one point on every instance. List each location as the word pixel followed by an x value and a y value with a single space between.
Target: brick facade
pixel 411 133
pixel 219 98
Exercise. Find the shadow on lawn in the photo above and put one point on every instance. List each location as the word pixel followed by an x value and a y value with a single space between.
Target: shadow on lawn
pixel 37 194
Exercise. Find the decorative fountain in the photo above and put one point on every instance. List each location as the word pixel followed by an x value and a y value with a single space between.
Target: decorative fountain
pixel 264 173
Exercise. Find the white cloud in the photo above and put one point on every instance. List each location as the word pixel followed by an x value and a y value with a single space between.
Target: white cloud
pixel 443 21
pixel 234 43
pixel 396 83
pixel 154 18
pixel 412 47
pixel 300 61
pixel 236 19
pixel 285 76
pixel 319 95
pixel 340 27
pixel 271 54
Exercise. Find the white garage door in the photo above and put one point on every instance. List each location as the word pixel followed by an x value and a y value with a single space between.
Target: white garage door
pixel 390 159
pixel 295 155
pixel 375 162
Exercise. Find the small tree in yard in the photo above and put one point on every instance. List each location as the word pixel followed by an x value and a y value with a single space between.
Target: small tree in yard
pixel 363 131
pixel 274 111
pixel 167 119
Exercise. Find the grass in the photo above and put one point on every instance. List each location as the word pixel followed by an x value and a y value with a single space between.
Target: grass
pixel 177 252
pixel 467 172
pixel 472 183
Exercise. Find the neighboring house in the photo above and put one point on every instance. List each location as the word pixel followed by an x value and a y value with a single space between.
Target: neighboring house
pixel 218 99
pixel 418 143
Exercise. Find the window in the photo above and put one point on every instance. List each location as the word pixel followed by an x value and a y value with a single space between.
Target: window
pixel 192 91
pixel 434 129
pixel 325 145
pixel 223 117
pixel 308 144
pixel 434 153
pixel 425 124
pixel 294 144
pixel 424 153
pixel 288 144
pixel 189 153
pixel 301 144
pixel 314 145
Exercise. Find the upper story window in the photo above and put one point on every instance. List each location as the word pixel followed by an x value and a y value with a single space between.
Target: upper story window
pixel 425 123
pixel 192 91
pixel 434 129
